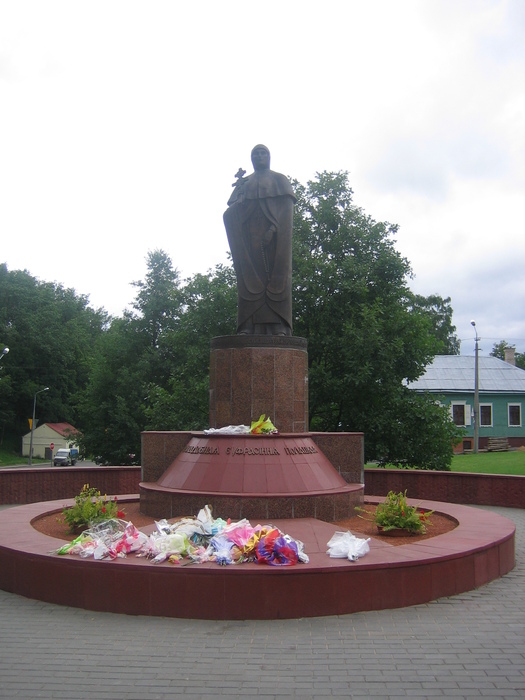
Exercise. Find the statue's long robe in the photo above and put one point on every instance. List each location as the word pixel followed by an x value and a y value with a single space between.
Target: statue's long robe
pixel 263 200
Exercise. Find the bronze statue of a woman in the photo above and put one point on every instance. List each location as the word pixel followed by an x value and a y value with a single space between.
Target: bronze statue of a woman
pixel 259 222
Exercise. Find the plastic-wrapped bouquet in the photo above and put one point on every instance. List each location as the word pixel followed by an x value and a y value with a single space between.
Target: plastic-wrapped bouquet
pixel 263 426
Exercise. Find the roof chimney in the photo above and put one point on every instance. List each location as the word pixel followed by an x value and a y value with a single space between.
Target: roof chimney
pixel 509 356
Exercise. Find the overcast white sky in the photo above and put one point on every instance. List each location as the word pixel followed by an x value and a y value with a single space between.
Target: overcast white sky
pixel 122 124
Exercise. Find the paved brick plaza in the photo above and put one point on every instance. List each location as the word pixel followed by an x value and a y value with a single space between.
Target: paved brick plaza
pixel 469 646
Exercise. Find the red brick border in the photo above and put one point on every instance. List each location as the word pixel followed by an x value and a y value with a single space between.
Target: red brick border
pixel 451 487
pixel 32 485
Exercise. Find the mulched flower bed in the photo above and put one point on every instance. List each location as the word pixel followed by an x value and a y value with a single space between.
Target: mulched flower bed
pixel 54 525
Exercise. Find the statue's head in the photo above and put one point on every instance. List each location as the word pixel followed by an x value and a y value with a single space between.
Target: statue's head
pixel 260 157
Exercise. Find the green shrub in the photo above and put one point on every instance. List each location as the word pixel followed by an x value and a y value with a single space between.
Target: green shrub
pixel 395 514
pixel 90 508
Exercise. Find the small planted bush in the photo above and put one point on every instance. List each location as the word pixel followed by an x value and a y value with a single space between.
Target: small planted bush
pixel 395 514
pixel 90 508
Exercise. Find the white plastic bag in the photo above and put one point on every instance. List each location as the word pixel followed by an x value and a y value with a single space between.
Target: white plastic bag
pixel 344 545
pixel 229 430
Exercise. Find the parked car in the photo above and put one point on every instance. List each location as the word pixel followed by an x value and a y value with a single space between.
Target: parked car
pixel 65 457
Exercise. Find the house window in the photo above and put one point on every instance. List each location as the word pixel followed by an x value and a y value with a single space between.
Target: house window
pixel 514 415
pixel 458 413
pixel 485 415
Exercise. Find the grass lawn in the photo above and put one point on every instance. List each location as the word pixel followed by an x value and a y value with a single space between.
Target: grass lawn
pixel 491 463
pixel 512 462
pixel 9 457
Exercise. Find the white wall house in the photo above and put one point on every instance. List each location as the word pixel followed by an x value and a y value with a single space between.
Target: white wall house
pixel 60 434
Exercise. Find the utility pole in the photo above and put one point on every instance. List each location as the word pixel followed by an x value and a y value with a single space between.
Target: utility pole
pixel 476 391
pixel 30 462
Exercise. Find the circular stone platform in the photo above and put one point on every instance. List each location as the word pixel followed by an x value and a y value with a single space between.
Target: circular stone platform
pixel 478 550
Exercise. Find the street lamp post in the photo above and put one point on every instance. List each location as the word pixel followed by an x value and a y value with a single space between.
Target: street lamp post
pixel 476 391
pixel 33 425
pixel 4 352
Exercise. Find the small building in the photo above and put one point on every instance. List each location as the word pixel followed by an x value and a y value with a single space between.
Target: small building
pixel 451 378
pixel 60 434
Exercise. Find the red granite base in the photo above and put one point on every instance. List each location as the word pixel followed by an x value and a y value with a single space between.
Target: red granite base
pixel 253 374
pixel 479 550
pixel 159 502
pixel 344 451
pixel 257 476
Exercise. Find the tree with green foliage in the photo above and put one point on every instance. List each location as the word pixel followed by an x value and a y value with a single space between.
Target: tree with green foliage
pixel 440 312
pixel 130 358
pixel 498 350
pixel 368 334
pixel 158 303
pixel 151 368
pixel 210 307
pixel 112 405
pixel 51 333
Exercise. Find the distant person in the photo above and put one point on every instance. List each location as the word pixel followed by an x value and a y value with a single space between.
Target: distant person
pixel 259 222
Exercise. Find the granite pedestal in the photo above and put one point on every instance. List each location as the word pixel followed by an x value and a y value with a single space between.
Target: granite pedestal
pixel 255 374
pixel 294 474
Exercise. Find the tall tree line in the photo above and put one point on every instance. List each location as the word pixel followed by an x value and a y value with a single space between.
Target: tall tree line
pixel 50 332
pixel 368 335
